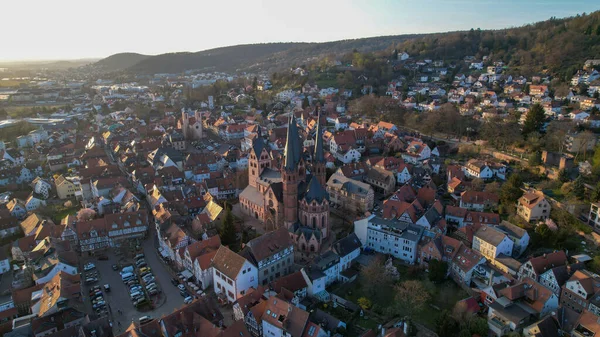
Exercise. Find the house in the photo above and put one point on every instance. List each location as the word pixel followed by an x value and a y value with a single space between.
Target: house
pixel 320 273
pixel 533 206
pixel 348 249
pixel 464 263
pixel 441 248
pixel 41 187
pixel 594 216
pixel 16 208
pixel 520 305
pixel 478 201
pixel 381 180
pixel 272 254
pixel 416 152
pixel 67 187
pixel 491 242
pixel 518 235
pixel 4 261
pixel 233 275
pixel 350 195
pixel 282 319
pixel 555 278
pixel 34 202
pixel 60 292
pixel 582 292
pixel 478 169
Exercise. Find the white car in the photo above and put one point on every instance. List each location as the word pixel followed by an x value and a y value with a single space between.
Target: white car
pixel 188 300
pixel 89 266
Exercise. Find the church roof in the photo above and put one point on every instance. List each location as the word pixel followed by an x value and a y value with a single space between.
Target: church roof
pixel 319 153
pixel 315 191
pixel 292 146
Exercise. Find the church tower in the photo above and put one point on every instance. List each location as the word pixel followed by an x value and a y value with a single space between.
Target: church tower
pixel 318 165
pixel 258 159
pixel 184 124
pixel 290 175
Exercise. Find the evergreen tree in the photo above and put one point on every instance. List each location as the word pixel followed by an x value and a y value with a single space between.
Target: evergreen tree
pixel 579 188
pixel 227 233
pixel 535 159
pixel 305 103
pixel 254 83
pixel 535 119
pixel 596 193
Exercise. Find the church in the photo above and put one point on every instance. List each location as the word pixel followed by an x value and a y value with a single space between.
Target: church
pixel 191 126
pixel 292 195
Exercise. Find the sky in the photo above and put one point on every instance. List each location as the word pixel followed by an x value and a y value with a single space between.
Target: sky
pixel 75 29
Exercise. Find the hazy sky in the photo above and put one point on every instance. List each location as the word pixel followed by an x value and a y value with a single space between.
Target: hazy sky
pixel 69 29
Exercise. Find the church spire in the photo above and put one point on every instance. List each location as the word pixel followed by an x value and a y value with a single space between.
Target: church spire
pixel 319 155
pixel 292 146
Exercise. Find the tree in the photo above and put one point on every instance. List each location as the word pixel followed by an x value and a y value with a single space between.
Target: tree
pixel 228 235
pixel 411 297
pixel 579 188
pixel 596 193
pixel 511 190
pixel 376 283
pixel 3 114
pixel 446 325
pixel 254 83
pixel 365 303
pixel 534 120
pixel 563 177
pixel 535 159
pixel 437 271
pixel 305 102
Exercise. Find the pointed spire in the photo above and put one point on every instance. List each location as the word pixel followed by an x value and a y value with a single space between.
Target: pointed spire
pixel 319 155
pixel 292 145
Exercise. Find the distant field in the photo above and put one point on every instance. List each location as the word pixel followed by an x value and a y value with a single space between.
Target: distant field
pixel 11 83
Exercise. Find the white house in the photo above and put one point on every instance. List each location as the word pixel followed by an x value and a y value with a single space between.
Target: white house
pixel 41 187
pixel 348 249
pixel 491 242
pixel 34 203
pixel 403 56
pixel 233 275
pixel 403 175
pixel 478 169
pixel 349 156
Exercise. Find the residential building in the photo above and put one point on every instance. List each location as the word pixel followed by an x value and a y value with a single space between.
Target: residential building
pixel 491 242
pixel 397 238
pixel 580 142
pixel 582 292
pixel 233 275
pixel 536 266
pixel 518 235
pixel 533 206
pixel 349 195
pixel 478 201
pixel 67 187
pixel 272 253
pixel 464 264
pixel 520 305
pixel 282 319
pixel 348 249
pixel 594 216
pixel 381 180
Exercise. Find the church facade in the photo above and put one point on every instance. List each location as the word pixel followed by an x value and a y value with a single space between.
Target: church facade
pixel 292 195
pixel 191 126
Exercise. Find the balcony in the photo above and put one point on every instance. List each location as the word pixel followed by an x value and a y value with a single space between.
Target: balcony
pixel 498 326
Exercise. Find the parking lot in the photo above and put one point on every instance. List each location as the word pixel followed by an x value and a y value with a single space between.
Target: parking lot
pixel 118 298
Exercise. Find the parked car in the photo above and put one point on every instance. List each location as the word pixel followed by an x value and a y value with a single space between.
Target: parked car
pixel 183 293
pixel 175 281
pixel 107 288
pixel 145 269
pixel 153 291
pixel 188 300
pixel 89 266
pixel 115 267
pixel 181 287
pixel 91 280
pixel 103 257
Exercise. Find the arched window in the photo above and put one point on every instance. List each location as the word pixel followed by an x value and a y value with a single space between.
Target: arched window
pixel 312 248
pixel 314 222
pixel 305 219
pixel 323 221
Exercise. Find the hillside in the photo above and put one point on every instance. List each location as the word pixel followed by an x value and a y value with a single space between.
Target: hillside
pixel 557 45
pixel 120 61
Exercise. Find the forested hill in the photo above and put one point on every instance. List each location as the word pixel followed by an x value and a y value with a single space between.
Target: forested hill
pixel 250 57
pixel 120 61
pixel 558 45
